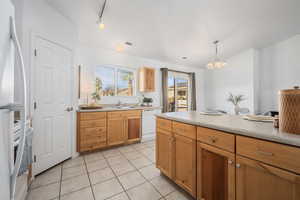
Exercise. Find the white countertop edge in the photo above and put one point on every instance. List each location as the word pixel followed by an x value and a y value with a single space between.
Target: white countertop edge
pixel 120 109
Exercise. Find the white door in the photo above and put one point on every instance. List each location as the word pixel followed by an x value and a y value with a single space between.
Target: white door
pixel 52 96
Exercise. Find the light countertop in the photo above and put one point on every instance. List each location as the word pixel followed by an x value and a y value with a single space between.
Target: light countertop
pixel 236 125
pixel 107 109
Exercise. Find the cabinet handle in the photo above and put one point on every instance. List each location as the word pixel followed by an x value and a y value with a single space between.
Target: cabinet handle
pixel 238 165
pixel 264 153
pixel 213 139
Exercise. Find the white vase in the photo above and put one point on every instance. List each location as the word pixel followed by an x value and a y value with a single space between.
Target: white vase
pixel 236 109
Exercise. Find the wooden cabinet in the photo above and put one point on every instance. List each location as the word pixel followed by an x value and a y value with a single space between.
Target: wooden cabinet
pixel 164 148
pixel 146 79
pixel 259 181
pixel 176 153
pixel 91 131
pixel 226 166
pixel 124 127
pixel 116 130
pixel 97 130
pixel 185 163
pixel 215 173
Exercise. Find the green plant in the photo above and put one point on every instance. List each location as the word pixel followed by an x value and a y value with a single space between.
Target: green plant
pixel 235 100
pixel 98 87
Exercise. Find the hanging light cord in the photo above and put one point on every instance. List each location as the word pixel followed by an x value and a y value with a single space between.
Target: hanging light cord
pixel 102 10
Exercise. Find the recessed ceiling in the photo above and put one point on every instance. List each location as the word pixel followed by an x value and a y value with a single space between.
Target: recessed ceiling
pixel 170 29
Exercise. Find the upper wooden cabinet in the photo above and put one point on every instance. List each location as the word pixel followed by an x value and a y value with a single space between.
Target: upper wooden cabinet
pixel 259 181
pixel 146 79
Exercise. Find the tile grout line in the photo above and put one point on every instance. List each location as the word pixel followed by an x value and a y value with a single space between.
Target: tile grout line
pixel 161 196
pixel 117 177
pixel 88 175
pixel 60 182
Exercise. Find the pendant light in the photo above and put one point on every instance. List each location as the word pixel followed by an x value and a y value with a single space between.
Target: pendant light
pixel 217 63
pixel 100 15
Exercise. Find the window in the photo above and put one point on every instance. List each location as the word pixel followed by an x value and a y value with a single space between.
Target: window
pixel 115 81
pixel 178 92
pixel 105 75
pixel 125 83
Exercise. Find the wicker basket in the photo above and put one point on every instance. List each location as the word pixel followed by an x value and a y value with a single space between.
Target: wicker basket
pixel 289 110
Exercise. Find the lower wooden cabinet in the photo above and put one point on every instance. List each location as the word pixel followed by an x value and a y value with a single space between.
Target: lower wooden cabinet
pixel 259 181
pixel 116 131
pixel 134 128
pixel 215 173
pixel 221 166
pixel 97 130
pixel 164 155
pixel 185 163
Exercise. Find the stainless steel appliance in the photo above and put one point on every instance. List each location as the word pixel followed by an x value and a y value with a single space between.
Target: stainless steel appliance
pixel 9 48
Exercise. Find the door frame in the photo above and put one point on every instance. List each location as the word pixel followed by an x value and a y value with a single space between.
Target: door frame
pixel 32 79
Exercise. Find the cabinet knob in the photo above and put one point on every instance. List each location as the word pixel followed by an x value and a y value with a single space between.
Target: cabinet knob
pixel 238 165
pixel 230 162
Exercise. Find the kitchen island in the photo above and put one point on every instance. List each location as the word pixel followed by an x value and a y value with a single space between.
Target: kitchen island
pixel 226 157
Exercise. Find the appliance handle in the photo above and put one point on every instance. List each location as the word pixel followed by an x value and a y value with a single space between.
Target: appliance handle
pixel 23 113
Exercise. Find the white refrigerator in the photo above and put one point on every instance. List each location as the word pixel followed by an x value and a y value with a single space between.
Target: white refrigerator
pixel 9 51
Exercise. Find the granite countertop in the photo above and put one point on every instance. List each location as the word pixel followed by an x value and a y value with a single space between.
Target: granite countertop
pixel 107 109
pixel 236 125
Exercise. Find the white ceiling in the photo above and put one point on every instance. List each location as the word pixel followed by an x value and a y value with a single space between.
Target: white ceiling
pixel 167 30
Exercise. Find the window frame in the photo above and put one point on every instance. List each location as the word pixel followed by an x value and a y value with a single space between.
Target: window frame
pixel 115 77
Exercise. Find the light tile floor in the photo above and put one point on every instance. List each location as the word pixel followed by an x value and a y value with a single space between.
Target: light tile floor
pixel 121 173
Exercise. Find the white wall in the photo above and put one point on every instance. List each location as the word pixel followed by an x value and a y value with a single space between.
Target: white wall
pixel 257 74
pixel 90 57
pixel 279 69
pixel 38 18
pixel 237 77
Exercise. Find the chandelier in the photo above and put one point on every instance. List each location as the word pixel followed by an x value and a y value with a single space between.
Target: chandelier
pixel 217 63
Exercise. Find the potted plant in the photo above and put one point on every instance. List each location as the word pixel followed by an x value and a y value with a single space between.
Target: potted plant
pixel 235 100
pixel 96 95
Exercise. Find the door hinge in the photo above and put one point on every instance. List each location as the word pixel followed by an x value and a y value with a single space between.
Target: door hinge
pixel 34 105
pixel 34 158
pixel 35 52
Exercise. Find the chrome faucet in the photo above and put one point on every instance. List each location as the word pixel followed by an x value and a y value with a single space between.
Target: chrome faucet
pixel 119 103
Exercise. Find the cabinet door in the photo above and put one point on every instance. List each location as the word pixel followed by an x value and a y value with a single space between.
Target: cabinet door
pixel 116 131
pixel 185 163
pixel 215 173
pixel 134 128
pixel 164 152
pixel 150 83
pixel 257 181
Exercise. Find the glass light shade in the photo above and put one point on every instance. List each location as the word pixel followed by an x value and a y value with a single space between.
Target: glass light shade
pixel 216 64
pixel 101 25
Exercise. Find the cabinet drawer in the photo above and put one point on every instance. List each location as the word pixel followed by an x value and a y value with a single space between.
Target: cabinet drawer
pixel 93 139
pixel 283 156
pixel 92 115
pixel 117 114
pixel 216 138
pixel 164 124
pixel 92 131
pixel 93 123
pixel 184 130
pixel 130 113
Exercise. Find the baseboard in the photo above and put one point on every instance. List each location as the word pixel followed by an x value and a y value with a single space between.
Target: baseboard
pixel 148 137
